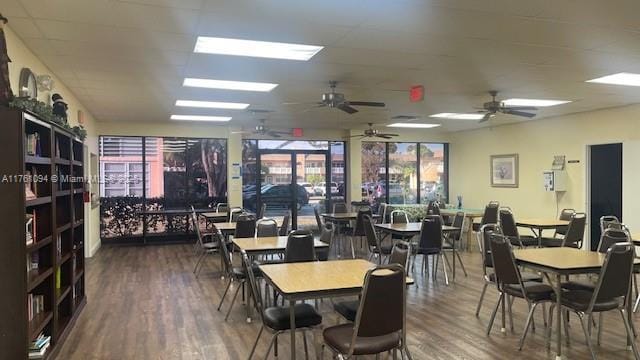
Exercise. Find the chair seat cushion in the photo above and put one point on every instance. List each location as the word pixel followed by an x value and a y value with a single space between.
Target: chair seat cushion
pixel 277 318
pixel 339 338
pixel 579 285
pixel 240 273
pixel 210 245
pixel 551 242
pixel 580 299
pixel 525 239
pixel 535 291
pixel 348 309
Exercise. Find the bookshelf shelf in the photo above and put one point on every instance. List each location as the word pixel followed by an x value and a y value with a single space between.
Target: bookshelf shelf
pixel 38 323
pixel 35 277
pixel 38 201
pixel 39 244
pixel 37 283
pixel 37 160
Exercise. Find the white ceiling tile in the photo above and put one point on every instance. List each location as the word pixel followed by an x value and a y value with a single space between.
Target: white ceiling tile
pixel 179 4
pixel 25 27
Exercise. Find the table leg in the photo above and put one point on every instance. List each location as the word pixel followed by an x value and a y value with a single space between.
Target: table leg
pixel 292 319
pixel 558 317
pixel 469 233
pixel 453 246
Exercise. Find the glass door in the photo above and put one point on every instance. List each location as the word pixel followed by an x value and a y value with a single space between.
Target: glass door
pixel 292 180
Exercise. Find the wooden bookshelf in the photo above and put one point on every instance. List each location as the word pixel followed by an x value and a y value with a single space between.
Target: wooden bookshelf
pixel 58 247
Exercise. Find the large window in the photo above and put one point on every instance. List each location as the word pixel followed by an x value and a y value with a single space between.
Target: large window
pixel 169 172
pixel 417 172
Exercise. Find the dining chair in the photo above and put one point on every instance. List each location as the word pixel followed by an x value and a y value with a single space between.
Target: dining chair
pixel 284 227
pixel 380 322
pixel 300 247
pixel 245 226
pixel 608 221
pixel 454 237
pixel 358 229
pixel 400 254
pixel 489 216
pixel 263 210
pixel 433 208
pixel 560 231
pixel 205 248
pixel 266 228
pixel 509 284
pixel 373 242
pixel 399 217
pixel 276 319
pixel 510 230
pixel 234 213
pixel 573 236
pixel 430 244
pixel 326 236
pixel 222 207
pixel 319 221
pixel 340 208
pixel 612 292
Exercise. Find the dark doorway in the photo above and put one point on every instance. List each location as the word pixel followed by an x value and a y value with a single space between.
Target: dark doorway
pixel 605 186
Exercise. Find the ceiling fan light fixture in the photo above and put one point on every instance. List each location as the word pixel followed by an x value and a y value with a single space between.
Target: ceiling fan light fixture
pixel 413 125
pixel 457 116
pixel 229 85
pixel 534 102
pixel 252 48
pixel 211 104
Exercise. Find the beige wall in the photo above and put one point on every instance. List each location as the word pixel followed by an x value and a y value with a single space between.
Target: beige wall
pixel 22 57
pixel 536 142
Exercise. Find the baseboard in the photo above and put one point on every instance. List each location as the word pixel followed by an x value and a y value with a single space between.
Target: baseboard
pixel 95 248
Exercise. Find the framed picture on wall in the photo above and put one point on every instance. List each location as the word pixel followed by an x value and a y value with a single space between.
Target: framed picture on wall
pixel 504 170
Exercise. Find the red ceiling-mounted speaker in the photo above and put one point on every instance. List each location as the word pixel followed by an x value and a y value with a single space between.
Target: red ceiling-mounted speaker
pixel 416 93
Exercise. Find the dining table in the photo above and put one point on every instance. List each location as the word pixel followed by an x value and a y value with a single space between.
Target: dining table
pixel 229 228
pixel 561 262
pixel 315 280
pixel 537 225
pixel 269 245
pixel 339 219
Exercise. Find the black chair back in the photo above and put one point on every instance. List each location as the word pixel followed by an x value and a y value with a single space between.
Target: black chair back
pixel 508 224
pixel 431 233
pixel 340 208
pixel 566 215
pixel 300 247
pixel 382 308
pixel 484 242
pixel 263 210
pixel 266 228
pixel 245 227
pixel 575 231
pixel 370 233
pixel 284 228
pixel 399 217
pixel 458 222
pixel 433 208
pixel 616 273
pixel 253 285
pixel 234 213
pixel 504 264
pixel 490 215
pixel 400 253
pixel 359 229
pixel 319 222
pixel 196 227
pixel 608 221
pixel 611 237
pixel 222 207
pixel 226 256
pixel 326 233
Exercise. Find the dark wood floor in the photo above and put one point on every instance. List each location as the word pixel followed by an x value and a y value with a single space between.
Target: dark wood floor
pixel 145 303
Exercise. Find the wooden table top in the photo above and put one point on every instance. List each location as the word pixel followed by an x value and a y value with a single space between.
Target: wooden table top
pixel 537 222
pixel 271 243
pixel 231 226
pixel 470 213
pixel 184 211
pixel 563 260
pixel 412 227
pixel 318 276
pixel 215 215
pixel 344 216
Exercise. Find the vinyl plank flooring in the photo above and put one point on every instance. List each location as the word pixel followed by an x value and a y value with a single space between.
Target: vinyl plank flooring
pixel 145 303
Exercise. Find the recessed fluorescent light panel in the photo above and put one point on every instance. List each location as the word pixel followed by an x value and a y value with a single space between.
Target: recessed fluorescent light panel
pixel 211 104
pixel 229 85
pixel 534 102
pixel 413 125
pixel 626 79
pixel 262 49
pixel 200 118
pixel 458 116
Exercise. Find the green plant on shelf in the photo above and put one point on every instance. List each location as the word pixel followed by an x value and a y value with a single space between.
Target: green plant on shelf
pixel 45 112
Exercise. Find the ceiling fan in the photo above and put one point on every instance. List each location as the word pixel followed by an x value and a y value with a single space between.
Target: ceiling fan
pixel 262 129
pixel 492 107
pixel 371 133
pixel 337 100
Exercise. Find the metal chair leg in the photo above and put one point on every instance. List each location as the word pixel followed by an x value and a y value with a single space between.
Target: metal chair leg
pixel 510 303
pixel 233 301
pixel 599 336
pixel 304 342
pixel 548 337
pixel 532 309
pixel 225 294
pixel 444 267
pixel 255 344
pixel 195 269
pixel 586 335
pixel 273 341
pixel 493 314
pixel 484 290
pixel 565 321
pixel 461 263
pixel 630 334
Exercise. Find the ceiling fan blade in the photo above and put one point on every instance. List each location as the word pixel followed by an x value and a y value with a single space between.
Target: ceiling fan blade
pixel 384 136
pixel 242 132
pixel 274 134
pixel 301 103
pixel 518 113
pixel 486 117
pixel 532 108
pixel 366 103
pixel 355 136
pixel 388 134
pixel 346 108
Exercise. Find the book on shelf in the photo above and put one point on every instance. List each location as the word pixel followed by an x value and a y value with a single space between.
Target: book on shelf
pixel 29 191
pixel 35 305
pixel 39 347
pixel 59 246
pixel 57 147
pixel 30 228
pixel 32 144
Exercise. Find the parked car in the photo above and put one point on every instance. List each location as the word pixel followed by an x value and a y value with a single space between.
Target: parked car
pixel 276 195
pixel 321 189
pixel 308 187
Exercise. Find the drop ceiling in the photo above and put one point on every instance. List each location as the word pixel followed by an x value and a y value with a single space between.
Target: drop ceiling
pixel 126 59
